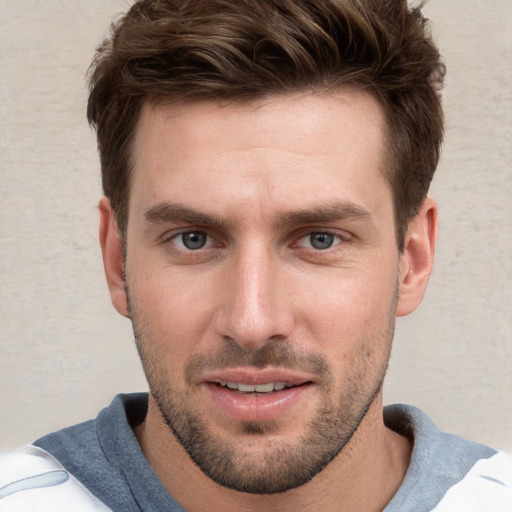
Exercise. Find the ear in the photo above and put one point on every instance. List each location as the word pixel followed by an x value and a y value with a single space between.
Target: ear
pixel 112 252
pixel 417 258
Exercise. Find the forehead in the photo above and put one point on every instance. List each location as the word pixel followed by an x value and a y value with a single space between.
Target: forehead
pixel 279 150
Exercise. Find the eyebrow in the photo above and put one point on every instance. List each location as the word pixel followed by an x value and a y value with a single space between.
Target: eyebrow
pixel 168 213
pixel 165 212
pixel 330 212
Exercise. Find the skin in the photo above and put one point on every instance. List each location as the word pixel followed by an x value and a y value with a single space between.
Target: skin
pixel 258 179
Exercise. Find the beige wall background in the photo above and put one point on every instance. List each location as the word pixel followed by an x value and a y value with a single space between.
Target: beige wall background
pixel 65 352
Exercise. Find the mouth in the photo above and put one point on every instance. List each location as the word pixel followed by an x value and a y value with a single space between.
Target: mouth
pixel 259 395
pixel 257 389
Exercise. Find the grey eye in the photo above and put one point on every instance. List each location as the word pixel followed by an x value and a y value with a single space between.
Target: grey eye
pixel 194 240
pixel 321 240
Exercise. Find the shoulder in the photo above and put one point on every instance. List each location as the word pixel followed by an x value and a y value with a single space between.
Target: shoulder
pixel 32 479
pixel 487 486
pixel 78 468
pixel 447 472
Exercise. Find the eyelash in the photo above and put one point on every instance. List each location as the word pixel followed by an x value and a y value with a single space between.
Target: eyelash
pixel 332 234
pixel 181 252
pixel 190 232
pixel 339 240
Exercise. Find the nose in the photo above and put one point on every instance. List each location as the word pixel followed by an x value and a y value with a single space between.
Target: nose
pixel 256 306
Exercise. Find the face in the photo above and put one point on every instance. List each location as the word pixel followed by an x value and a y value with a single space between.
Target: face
pixel 261 273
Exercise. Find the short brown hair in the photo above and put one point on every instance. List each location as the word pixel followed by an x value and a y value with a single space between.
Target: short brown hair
pixel 245 49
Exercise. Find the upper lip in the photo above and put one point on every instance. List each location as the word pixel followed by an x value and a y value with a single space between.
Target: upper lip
pixel 257 376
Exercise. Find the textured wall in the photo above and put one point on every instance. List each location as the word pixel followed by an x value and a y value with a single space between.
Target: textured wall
pixel 65 352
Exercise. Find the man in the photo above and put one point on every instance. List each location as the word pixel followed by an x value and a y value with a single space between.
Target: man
pixel 265 167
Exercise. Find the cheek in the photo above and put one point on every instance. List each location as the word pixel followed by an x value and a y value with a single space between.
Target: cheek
pixel 173 308
pixel 339 312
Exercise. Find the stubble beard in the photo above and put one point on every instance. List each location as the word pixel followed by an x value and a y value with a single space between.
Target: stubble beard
pixel 277 465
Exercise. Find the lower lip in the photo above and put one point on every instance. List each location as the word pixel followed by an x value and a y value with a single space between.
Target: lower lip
pixel 256 407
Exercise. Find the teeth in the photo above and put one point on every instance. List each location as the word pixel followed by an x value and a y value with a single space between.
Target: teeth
pixel 264 388
pixel 246 388
pixel 256 388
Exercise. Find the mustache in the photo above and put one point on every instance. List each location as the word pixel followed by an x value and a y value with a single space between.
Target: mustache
pixel 275 353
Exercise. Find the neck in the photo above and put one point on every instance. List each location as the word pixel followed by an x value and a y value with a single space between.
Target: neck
pixel 363 476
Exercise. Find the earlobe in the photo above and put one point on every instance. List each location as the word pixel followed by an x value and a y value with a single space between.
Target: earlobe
pixel 417 258
pixel 112 252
